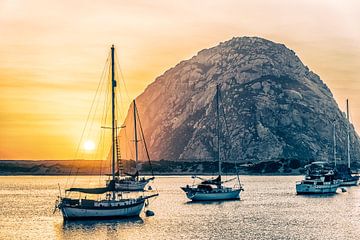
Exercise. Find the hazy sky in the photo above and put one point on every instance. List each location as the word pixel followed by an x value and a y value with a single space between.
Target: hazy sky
pixel 52 54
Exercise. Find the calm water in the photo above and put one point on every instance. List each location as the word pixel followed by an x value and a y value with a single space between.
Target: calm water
pixel 269 209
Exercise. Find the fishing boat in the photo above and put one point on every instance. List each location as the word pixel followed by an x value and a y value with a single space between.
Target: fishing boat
pixel 214 189
pixel 125 181
pixel 110 202
pixel 319 179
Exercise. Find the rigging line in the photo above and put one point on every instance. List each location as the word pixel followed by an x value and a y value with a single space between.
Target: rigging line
pixel 101 157
pixel 72 184
pixel 122 103
pixel 95 115
pixel 123 117
pixel 88 116
pixel 106 145
pixel 227 130
pixel 103 131
pixel 143 138
pixel 128 144
pixel 122 78
pixel 90 129
pixel 94 111
pixel 101 141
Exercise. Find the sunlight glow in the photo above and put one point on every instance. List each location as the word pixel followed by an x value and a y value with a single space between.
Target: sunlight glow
pixel 89 145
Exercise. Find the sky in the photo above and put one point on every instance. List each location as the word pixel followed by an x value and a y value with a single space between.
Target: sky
pixel 52 54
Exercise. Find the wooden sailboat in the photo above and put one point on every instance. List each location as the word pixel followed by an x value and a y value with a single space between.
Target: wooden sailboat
pixel 133 182
pixel 214 189
pixel 111 202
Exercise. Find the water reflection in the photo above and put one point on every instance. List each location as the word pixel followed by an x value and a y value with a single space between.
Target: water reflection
pixel 219 202
pixel 323 195
pixel 103 229
pixel 73 224
pixel 269 209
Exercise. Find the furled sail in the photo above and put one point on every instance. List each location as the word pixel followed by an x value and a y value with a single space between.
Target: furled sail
pixel 109 188
pixel 215 181
pixel 134 175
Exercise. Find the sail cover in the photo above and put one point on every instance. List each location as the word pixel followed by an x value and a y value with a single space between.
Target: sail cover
pixel 215 181
pixel 136 174
pixel 109 188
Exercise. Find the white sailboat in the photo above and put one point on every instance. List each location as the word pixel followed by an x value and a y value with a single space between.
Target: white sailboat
pixel 344 173
pixel 214 189
pixel 110 203
pixel 133 182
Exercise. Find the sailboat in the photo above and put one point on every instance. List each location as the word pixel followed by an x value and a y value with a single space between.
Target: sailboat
pixel 132 181
pixel 344 172
pixel 110 203
pixel 214 189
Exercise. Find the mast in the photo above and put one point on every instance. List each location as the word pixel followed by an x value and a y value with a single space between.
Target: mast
pixel 334 141
pixel 348 132
pixel 218 126
pixel 136 137
pixel 113 126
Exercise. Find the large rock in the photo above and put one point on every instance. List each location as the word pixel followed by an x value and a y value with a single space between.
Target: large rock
pixel 275 107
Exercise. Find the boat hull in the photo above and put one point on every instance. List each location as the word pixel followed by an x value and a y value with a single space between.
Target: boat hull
pixel 316 189
pixel 76 212
pixel 349 183
pixel 133 186
pixel 213 196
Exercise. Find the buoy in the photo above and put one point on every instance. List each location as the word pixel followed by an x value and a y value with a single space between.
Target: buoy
pixel 149 213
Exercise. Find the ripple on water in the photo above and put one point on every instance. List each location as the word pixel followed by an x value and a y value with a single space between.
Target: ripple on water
pixel 268 209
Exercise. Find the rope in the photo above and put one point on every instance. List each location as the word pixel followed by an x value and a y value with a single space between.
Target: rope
pixel 86 123
pixel 143 138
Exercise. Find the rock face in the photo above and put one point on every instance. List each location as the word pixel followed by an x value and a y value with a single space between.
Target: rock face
pixel 275 107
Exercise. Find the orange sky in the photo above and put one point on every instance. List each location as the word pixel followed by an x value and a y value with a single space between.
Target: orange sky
pixel 52 54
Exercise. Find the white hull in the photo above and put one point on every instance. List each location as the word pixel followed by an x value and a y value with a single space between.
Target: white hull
pixel 214 196
pixel 316 189
pixel 78 212
pixel 131 186
pixel 349 183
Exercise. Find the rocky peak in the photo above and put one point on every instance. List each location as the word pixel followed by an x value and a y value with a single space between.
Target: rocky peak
pixel 275 107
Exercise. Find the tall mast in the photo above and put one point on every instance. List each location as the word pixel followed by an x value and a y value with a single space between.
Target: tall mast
pixel 334 141
pixel 218 126
pixel 348 132
pixel 113 85
pixel 135 136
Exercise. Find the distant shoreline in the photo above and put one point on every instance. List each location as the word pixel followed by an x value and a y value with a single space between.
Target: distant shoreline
pixel 159 168
pixel 147 175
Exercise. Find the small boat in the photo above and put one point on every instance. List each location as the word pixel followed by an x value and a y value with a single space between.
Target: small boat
pixel 214 189
pixel 132 181
pixel 318 180
pixel 111 207
pixel 348 182
pixel 110 202
pixel 344 173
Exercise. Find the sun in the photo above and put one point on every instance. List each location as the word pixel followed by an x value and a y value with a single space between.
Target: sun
pixel 89 145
